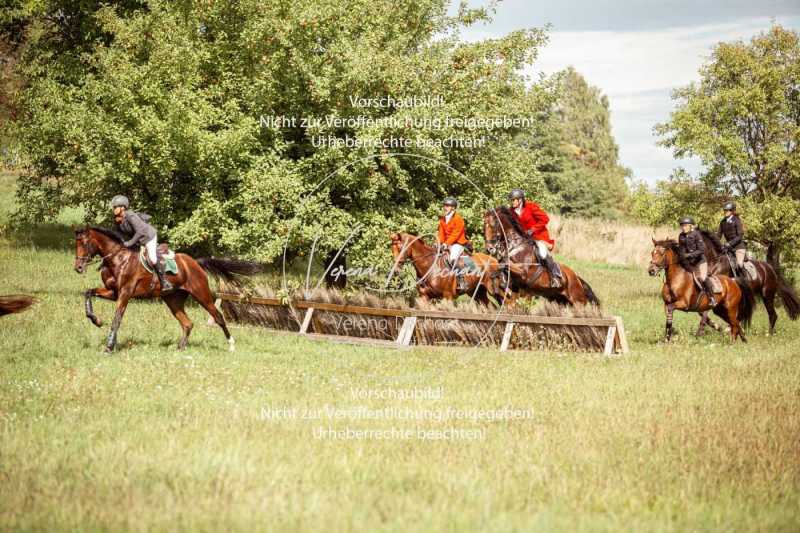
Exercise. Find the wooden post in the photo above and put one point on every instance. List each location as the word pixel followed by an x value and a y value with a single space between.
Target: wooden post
pixel 622 339
pixel 306 320
pixel 609 347
pixel 406 331
pixel 507 336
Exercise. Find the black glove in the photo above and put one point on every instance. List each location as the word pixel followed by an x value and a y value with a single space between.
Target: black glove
pixel 726 248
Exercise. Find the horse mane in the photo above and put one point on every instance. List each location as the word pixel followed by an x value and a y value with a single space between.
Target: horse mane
pixel 712 239
pixel 110 233
pixel 505 213
pixel 670 244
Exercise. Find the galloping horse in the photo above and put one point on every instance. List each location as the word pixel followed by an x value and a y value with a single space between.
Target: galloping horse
pixel 15 303
pixel 124 278
pixel 735 303
pixel 506 240
pixel 767 284
pixel 435 280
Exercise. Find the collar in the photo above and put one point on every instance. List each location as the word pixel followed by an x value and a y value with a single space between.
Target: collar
pixel 449 216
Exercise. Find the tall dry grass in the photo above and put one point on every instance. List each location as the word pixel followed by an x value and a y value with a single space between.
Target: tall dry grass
pixel 605 241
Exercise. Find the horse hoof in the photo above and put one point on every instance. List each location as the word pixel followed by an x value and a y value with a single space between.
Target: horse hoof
pixel 231 345
pixel 97 322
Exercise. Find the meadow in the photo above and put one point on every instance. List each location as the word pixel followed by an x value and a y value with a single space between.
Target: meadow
pixel 696 435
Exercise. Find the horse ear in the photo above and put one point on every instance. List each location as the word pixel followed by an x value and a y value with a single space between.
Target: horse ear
pixel 654 238
pixel 395 236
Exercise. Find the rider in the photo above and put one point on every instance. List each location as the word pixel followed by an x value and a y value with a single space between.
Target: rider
pixel 134 226
pixel 693 256
pixel 732 229
pixel 453 234
pixel 534 221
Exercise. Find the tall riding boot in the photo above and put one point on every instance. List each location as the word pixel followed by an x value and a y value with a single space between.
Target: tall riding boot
pixel 709 288
pixel 554 271
pixel 166 286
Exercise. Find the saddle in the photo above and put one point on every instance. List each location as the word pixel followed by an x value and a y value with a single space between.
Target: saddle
pixel 164 255
pixel 715 283
pixel 749 266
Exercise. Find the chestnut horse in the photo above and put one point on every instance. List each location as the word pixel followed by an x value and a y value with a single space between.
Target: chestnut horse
pixel 435 280
pixel 767 284
pixel 735 303
pixel 124 278
pixel 506 240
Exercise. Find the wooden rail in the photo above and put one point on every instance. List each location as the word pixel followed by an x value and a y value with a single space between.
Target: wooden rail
pixel 615 336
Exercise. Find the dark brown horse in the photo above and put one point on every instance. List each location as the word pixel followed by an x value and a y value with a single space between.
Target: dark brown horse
pixel 767 284
pixel 124 278
pixel 15 303
pixel 435 280
pixel 506 240
pixel 735 303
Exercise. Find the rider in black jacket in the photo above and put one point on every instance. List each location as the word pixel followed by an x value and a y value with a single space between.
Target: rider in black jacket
pixel 693 256
pixel 732 229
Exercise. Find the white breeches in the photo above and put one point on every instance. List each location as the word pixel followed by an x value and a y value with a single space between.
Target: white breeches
pixel 541 247
pixel 455 252
pixel 151 246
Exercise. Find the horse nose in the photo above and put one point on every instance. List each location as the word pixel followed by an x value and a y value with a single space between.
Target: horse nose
pixel 79 269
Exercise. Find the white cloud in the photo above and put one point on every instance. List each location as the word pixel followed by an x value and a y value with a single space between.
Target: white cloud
pixel 638 70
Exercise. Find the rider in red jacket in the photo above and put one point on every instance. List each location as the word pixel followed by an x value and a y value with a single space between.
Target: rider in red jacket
pixel 534 221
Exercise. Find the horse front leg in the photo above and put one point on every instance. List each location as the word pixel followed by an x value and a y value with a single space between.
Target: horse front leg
pixel 101 292
pixel 668 310
pixel 122 305
pixel 701 328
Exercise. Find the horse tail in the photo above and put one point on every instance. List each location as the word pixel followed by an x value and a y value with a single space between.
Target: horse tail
pixel 747 302
pixel 15 303
pixel 230 270
pixel 791 302
pixel 590 295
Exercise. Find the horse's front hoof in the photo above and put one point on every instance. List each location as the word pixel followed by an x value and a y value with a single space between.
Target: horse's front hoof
pixel 97 322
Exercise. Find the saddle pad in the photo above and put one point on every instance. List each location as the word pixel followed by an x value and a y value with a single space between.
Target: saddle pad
pixel 750 268
pixel 715 283
pixel 170 265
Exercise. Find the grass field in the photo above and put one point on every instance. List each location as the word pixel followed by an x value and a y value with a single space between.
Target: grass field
pixel 695 435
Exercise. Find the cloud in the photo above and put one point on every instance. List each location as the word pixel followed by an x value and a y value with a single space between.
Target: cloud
pixel 638 70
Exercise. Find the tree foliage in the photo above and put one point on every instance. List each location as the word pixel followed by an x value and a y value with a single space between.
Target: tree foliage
pixel 743 121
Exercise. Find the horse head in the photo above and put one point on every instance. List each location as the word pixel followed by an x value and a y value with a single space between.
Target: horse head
pixel 660 256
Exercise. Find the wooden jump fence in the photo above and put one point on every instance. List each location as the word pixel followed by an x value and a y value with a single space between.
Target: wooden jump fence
pixel 615 339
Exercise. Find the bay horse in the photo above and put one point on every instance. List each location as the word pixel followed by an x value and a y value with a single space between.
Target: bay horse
pixel 15 303
pixel 435 279
pixel 735 303
pixel 767 284
pixel 124 278
pixel 506 240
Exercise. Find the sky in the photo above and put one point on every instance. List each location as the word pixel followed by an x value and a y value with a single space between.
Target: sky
pixel 636 52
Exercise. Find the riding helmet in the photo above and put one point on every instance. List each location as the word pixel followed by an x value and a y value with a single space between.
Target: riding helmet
pixel 517 194
pixel 730 206
pixel 120 201
pixel 686 220
pixel 450 201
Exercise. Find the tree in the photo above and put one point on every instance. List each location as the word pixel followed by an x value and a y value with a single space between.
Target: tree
pixel 584 170
pixel 743 121
pixel 163 101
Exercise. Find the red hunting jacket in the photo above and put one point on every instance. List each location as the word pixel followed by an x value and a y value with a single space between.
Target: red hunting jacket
pixel 534 218
pixel 453 231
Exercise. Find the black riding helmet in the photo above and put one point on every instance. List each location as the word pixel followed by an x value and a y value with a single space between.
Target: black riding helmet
pixel 516 194
pixel 686 220
pixel 450 201
pixel 729 206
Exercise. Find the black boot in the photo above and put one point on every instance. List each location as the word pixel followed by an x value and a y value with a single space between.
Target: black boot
pixel 166 286
pixel 554 271
pixel 709 289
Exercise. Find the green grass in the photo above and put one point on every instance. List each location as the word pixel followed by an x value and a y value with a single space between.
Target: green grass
pixel 698 434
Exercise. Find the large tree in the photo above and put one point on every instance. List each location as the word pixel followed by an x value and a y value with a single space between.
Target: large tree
pixel 742 120
pixel 163 100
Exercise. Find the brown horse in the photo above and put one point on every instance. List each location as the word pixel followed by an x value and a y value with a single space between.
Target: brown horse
pixel 735 304
pixel 16 303
pixel 435 280
pixel 767 284
pixel 124 278
pixel 506 240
